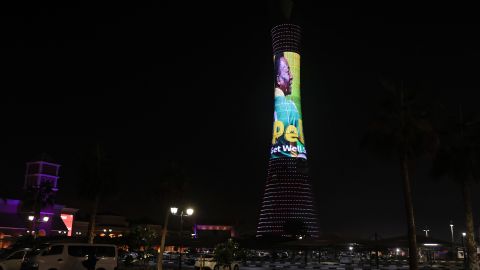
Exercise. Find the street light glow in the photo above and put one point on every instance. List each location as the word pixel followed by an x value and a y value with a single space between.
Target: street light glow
pixel 31 218
pixel 45 219
pixel 173 210
pixel 451 230
pixel 190 211
pixel 464 234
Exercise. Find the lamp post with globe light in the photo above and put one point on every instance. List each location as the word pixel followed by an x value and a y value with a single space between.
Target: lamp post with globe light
pixel 35 222
pixel 183 213
pixel 426 231
pixel 171 211
pixel 453 242
pixel 451 231
pixel 464 250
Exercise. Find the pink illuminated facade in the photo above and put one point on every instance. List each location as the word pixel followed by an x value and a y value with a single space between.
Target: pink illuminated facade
pixel 68 216
pixel 199 227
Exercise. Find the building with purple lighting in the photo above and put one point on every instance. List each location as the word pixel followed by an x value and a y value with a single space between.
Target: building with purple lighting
pixel 199 230
pixel 16 220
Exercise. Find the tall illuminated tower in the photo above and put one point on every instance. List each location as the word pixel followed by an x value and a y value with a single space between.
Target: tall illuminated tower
pixel 288 208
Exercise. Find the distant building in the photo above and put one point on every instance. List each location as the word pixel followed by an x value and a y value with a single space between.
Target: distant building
pixel 16 219
pixel 80 228
pixel 224 231
pixel 111 225
pixel 38 172
pixel 106 225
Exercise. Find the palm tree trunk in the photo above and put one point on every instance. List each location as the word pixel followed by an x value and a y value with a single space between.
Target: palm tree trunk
pixel 162 242
pixel 470 239
pixel 407 193
pixel 93 217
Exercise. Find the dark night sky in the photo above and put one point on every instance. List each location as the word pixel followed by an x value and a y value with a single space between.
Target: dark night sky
pixel 193 83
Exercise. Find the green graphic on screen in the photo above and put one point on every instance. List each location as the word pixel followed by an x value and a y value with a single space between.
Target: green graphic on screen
pixel 288 139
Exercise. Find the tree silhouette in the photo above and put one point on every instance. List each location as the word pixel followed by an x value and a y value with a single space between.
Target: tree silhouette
pixel 97 182
pixel 37 198
pixel 225 253
pixel 402 130
pixel 459 160
pixel 142 237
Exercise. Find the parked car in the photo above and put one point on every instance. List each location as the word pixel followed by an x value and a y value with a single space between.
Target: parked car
pixel 168 255
pixel 4 253
pixel 14 260
pixel 73 256
pixel 208 262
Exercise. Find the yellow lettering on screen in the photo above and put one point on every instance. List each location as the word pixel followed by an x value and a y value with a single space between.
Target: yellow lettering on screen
pixel 278 129
pixel 291 134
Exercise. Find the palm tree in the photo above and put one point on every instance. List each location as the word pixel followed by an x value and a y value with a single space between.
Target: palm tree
pixel 224 254
pixel 403 131
pixel 142 236
pixel 97 179
pixel 459 160
pixel 37 198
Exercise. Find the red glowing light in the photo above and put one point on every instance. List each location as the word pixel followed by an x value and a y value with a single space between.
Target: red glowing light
pixel 68 221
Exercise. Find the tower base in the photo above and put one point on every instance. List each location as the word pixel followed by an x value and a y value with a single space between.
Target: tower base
pixel 288 209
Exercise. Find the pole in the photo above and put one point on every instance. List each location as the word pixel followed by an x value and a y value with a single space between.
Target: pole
pixel 162 242
pixel 181 238
pixel 376 252
pixel 451 231
pixel 464 254
pixel 453 245
pixel 426 231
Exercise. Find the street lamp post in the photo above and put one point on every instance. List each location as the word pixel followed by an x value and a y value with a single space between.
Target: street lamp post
pixel 453 245
pixel 451 231
pixel 464 251
pixel 187 212
pixel 426 231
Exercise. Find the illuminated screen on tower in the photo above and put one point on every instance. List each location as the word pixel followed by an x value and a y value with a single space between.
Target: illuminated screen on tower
pixel 288 207
pixel 288 139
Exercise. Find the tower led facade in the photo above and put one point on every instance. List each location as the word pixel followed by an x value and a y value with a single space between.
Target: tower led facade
pixel 288 208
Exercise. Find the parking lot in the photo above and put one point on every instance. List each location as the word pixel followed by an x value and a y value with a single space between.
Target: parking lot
pixel 257 265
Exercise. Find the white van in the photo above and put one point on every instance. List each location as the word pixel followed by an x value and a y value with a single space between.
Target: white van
pixel 14 260
pixel 70 256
